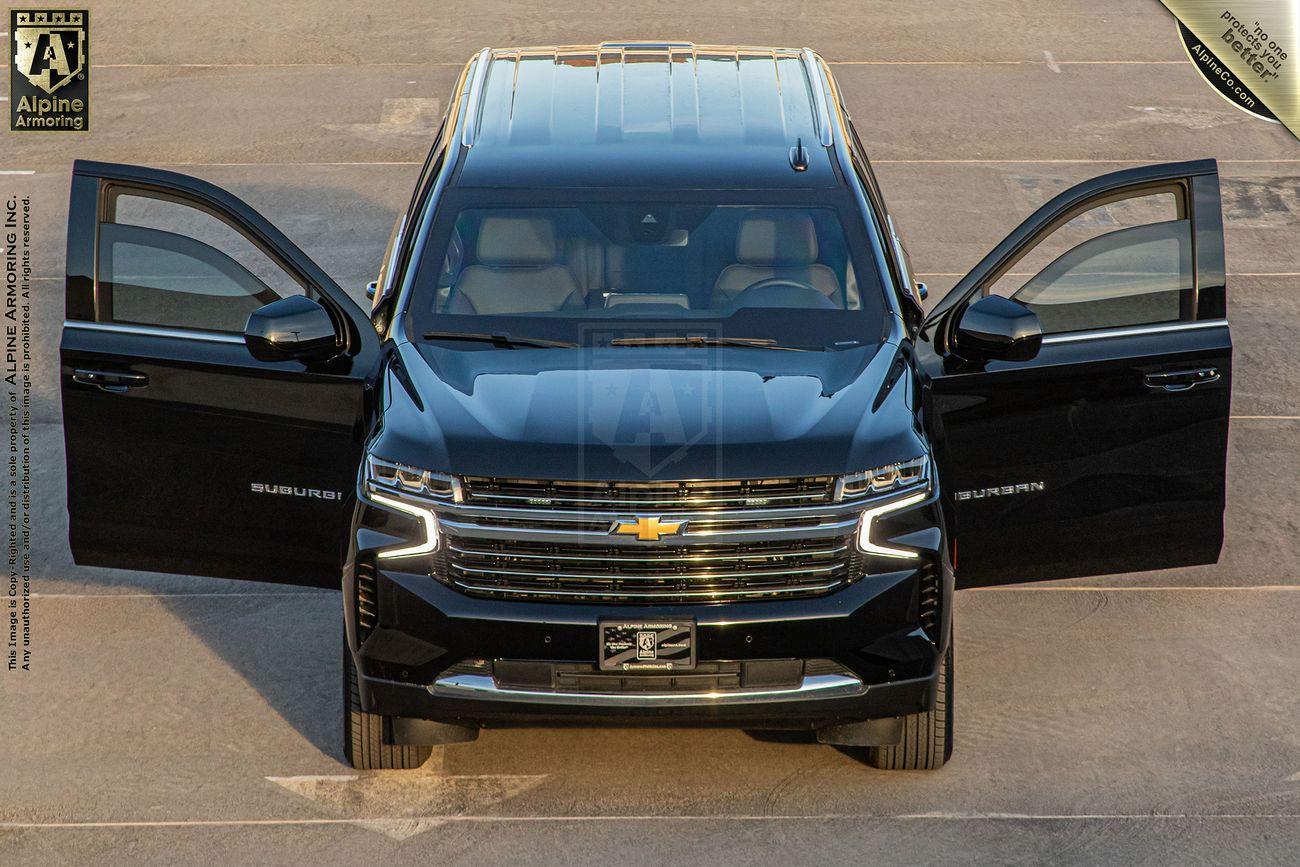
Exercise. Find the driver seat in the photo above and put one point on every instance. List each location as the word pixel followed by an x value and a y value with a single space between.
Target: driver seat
pixel 775 245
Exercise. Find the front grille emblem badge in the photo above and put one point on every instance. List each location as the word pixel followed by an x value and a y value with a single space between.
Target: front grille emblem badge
pixel 648 529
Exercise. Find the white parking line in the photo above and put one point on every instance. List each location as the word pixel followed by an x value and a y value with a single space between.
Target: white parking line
pixel 1181 588
pixel 962 162
pixel 1031 273
pixel 1050 62
pixel 806 817
pixel 307 164
pixel 1168 588
pixel 321 592
pixel 1036 161
pixel 309 65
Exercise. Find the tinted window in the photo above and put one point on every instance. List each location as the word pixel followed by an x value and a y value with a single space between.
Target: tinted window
pixel 1127 262
pixel 165 263
pixel 1129 277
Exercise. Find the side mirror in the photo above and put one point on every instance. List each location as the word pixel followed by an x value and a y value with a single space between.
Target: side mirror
pixel 293 327
pixel 371 288
pixel 997 327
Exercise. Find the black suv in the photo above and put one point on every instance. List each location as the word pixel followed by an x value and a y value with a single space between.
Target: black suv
pixel 648 423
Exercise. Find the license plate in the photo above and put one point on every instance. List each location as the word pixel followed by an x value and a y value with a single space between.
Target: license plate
pixel 650 645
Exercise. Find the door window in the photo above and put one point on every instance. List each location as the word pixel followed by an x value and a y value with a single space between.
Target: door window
pixel 1119 263
pixel 165 262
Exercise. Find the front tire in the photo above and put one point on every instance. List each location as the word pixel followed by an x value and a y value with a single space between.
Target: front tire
pixel 367 736
pixel 927 737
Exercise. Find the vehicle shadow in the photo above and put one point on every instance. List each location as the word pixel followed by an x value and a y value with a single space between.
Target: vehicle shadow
pixel 282 641
pixel 861 755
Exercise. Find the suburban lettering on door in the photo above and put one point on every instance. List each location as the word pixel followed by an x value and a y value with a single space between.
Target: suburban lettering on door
pixel 1005 490
pixel 290 491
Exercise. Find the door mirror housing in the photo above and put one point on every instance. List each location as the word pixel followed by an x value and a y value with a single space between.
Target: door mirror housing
pixel 997 327
pixel 296 327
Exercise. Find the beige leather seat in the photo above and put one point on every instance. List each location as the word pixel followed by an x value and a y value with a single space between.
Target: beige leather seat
pixel 517 270
pixel 775 245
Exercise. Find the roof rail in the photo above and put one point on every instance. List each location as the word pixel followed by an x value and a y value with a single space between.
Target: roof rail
pixel 647 44
pixel 473 104
pixel 814 72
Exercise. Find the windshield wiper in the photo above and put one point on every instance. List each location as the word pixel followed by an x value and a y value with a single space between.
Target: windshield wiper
pixel 701 340
pixel 500 339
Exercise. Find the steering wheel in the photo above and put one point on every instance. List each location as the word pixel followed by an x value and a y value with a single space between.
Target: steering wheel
pixel 782 292
pixel 772 282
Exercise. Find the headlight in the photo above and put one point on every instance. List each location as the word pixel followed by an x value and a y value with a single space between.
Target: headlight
pixel 386 476
pixel 407 490
pixel 913 474
pixel 891 477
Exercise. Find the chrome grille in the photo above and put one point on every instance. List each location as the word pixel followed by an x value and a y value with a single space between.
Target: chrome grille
pixel 697 496
pixel 662 573
pixel 531 539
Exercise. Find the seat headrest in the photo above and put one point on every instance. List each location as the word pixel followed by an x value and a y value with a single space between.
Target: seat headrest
pixel 516 241
pixel 777 239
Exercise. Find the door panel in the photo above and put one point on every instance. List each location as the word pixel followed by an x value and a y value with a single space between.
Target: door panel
pixel 1105 453
pixel 184 453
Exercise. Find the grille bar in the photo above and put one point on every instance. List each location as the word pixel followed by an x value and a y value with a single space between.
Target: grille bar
pixel 658 595
pixel 674 554
pixel 492 525
pixel 667 502
pixel 670 576
pixel 694 495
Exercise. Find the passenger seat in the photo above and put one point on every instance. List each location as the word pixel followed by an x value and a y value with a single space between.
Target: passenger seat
pixel 775 245
pixel 517 270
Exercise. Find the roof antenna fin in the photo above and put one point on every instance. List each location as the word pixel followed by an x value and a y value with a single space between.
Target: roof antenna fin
pixel 799 156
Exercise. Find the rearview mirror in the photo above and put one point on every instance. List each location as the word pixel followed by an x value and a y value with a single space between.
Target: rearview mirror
pixel 997 327
pixel 294 327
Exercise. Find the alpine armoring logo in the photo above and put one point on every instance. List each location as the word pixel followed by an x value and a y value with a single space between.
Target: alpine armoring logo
pixel 49 82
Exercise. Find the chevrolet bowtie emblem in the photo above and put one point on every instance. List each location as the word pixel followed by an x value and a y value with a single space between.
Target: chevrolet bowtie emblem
pixel 648 529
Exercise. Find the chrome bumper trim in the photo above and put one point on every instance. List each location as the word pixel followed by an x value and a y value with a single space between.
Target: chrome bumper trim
pixel 481 687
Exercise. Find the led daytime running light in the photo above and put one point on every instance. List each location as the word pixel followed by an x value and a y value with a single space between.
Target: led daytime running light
pixel 432 535
pixel 869 517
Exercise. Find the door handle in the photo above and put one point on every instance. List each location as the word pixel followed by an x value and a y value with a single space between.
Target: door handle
pixel 112 381
pixel 1181 380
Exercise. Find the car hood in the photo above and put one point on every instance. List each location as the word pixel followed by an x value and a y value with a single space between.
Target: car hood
pixel 625 413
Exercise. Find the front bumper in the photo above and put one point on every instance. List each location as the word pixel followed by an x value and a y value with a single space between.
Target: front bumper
pixel 872 628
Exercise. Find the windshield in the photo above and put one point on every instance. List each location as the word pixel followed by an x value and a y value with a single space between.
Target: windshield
pixel 589 272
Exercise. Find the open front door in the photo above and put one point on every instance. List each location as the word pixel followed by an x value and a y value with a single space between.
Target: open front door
pixel 184 453
pixel 1105 452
